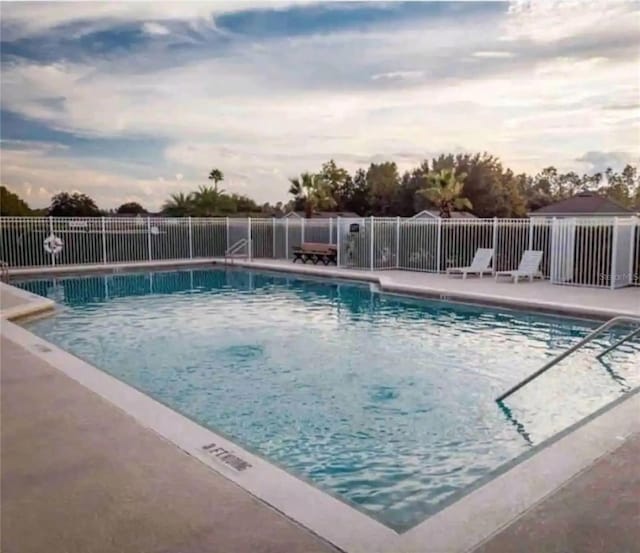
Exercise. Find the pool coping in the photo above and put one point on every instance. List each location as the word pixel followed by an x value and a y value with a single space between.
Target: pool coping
pixel 388 285
pixel 482 511
pixel 378 277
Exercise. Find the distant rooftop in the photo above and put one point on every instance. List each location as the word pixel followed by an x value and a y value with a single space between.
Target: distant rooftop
pixel 323 214
pixel 583 204
pixel 435 214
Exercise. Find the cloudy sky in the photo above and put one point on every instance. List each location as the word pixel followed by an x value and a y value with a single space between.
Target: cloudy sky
pixel 132 101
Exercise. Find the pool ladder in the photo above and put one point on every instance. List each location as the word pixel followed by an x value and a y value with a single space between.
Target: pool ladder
pixel 609 324
pixel 234 250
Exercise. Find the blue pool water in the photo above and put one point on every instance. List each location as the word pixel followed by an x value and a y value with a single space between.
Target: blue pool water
pixel 386 402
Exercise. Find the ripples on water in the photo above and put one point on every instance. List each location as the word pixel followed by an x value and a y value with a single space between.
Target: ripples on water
pixel 386 402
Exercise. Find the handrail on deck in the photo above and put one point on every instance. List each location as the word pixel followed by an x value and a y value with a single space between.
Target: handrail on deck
pixel 619 342
pixel 237 246
pixel 610 323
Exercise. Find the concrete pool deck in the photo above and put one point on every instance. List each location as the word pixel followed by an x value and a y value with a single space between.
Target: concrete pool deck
pixel 80 475
pixel 125 488
pixel 538 295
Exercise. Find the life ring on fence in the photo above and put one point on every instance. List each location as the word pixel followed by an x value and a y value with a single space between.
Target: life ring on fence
pixel 52 244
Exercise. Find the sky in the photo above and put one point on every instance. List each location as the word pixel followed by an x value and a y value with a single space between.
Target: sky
pixel 134 101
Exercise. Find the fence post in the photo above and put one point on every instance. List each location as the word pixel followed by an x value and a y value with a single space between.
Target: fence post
pixel 330 230
pixel 273 233
pixel 439 246
pixel 553 241
pixel 635 227
pixel 286 238
pixel 397 242
pixel 53 256
pixel 249 243
pixel 149 236
pixel 371 220
pixel 530 233
pixel 302 230
pixel 190 239
pixel 494 259
pixel 104 242
pixel 614 255
pixel 338 242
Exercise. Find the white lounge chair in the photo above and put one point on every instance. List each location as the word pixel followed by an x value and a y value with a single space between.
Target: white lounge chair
pixel 480 265
pixel 529 266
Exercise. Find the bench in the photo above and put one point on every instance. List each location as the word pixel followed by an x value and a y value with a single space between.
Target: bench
pixel 316 252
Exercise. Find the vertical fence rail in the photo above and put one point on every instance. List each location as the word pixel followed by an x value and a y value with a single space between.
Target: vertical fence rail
pixel 149 238
pixel 104 241
pixel 601 252
pixel 338 242
pixel 53 257
pixel 371 243
pixel 439 246
pixel 273 238
pixel 286 238
pixel 614 255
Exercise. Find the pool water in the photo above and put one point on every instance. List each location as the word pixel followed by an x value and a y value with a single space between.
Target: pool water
pixel 386 402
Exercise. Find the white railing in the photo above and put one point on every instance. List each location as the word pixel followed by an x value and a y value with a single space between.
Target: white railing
pixel 237 248
pixel 603 252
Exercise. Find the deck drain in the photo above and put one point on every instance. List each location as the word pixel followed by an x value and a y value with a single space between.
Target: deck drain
pixel 226 456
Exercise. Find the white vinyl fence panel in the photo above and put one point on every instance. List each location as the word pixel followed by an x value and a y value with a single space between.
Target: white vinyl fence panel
pixel 622 256
pixel 602 252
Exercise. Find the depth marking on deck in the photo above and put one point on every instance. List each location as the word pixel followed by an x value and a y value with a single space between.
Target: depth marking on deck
pixel 226 456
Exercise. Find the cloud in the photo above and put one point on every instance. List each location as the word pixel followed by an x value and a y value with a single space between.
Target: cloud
pixel 37 176
pixel 493 54
pixel 555 20
pixel 398 75
pixel 265 107
pixel 152 28
pixel 23 19
pixel 599 161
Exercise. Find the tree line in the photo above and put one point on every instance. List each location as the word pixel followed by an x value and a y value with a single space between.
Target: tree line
pixel 206 201
pixel 477 183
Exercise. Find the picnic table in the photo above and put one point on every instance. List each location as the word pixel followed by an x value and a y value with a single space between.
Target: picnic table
pixel 316 253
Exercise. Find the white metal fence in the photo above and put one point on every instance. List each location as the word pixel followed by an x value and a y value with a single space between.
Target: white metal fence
pixel 603 252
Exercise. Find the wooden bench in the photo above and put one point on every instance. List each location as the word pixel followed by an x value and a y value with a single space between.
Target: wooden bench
pixel 316 252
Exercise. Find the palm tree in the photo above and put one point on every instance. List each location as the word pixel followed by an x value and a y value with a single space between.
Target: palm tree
pixel 207 200
pixel 216 176
pixel 313 192
pixel 179 204
pixel 445 191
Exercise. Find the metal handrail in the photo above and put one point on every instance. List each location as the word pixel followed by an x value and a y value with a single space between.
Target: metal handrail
pixel 619 343
pixel 612 322
pixel 237 246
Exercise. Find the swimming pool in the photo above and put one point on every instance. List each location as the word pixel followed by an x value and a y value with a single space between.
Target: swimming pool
pixel 386 402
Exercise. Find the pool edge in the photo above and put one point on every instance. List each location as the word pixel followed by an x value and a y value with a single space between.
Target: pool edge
pixel 307 505
pixel 321 513
pixel 378 277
